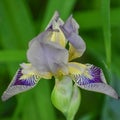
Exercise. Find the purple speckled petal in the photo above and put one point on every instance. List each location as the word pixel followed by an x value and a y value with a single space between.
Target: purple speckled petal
pixel 18 85
pixel 93 79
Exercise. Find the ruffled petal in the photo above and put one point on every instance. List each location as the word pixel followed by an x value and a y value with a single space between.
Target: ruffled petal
pixel 77 44
pixel 47 56
pixel 90 77
pixel 20 83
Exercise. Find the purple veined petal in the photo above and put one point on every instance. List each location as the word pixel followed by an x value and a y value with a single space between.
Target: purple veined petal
pixel 19 85
pixel 96 82
pixel 92 78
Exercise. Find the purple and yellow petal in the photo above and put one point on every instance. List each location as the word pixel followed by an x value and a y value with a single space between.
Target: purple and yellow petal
pixel 90 77
pixel 19 85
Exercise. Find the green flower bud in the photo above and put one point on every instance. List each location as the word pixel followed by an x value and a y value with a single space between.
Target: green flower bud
pixel 66 97
pixel 74 103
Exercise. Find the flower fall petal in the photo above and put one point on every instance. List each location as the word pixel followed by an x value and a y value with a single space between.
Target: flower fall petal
pixel 90 77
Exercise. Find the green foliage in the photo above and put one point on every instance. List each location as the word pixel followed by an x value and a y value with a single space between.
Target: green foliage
pixel 99 27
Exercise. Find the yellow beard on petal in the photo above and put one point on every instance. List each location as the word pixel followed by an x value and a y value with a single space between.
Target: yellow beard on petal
pixel 78 69
pixel 46 75
pixel 28 70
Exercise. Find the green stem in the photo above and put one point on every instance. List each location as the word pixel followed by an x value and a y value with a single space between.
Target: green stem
pixel 106 29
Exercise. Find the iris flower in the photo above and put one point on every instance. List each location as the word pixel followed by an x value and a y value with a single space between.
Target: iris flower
pixel 51 54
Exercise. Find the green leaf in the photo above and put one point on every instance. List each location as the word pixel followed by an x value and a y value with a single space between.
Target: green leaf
pixel 105 10
pixel 8 56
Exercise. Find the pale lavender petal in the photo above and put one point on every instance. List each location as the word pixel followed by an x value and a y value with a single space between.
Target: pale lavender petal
pixel 70 29
pixel 18 85
pixel 78 43
pixel 94 80
pixel 42 37
pixel 47 56
pixel 56 19
pixel 70 26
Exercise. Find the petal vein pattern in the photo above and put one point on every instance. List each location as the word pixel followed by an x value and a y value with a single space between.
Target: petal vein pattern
pixel 90 77
pixel 19 85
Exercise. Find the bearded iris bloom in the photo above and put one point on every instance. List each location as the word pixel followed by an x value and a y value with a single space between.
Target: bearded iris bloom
pixel 48 56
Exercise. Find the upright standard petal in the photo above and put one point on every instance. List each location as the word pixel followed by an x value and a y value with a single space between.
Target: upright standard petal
pixel 70 26
pixel 55 18
pixel 47 56
pixel 53 34
pixel 56 33
pixel 90 77
pixel 20 83
pixel 77 45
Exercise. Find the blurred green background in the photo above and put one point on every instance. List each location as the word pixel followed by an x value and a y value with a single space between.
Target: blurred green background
pixel 21 20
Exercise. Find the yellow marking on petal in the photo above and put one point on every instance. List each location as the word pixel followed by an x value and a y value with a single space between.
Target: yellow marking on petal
pixel 75 68
pixel 46 76
pixel 58 35
pixel 28 70
pixel 73 53
pixel 61 72
pixel 25 76
pixel 78 69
